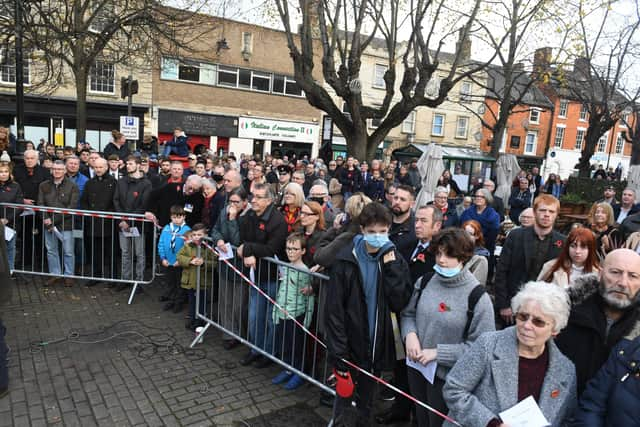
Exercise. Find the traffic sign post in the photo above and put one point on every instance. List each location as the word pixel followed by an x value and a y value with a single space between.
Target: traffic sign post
pixel 130 127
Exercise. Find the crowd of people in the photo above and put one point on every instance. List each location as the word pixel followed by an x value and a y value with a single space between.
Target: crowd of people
pixel 505 312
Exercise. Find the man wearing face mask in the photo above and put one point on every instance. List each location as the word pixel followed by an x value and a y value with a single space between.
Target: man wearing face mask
pixel 368 281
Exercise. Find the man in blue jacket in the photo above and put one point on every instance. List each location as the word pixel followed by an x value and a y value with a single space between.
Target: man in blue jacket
pixel 178 145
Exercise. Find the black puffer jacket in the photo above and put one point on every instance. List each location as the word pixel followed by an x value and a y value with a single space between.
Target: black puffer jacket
pixel 347 327
pixel 585 340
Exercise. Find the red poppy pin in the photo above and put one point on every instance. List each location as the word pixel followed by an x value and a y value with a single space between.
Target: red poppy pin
pixel 177 188
pixel 420 257
pixel 559 243
pixel 261 226
pixel 135 194
pixel 442 307
pixel 555 393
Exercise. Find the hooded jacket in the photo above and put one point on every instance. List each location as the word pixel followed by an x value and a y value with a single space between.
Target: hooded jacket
pixel 347 327
pixel 585 339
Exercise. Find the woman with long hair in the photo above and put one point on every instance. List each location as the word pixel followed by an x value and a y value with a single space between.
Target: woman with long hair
pixel 578 257
pixel 447 181
pixel 312 227
pixel 478 265
pixel 292 201
pixel 10 192
pixel 601 221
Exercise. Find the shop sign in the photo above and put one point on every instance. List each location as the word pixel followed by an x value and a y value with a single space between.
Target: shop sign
pixel 276 130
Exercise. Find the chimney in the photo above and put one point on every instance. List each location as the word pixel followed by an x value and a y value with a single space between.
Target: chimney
pixel 463 45
pixel 542 61
pixel 582 66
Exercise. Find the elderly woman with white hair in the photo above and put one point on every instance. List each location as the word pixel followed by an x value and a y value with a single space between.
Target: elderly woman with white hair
pixel 488 218
pixel 503 368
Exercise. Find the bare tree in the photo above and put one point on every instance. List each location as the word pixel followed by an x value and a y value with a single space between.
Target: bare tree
pixel 70 35
pixel 339 32
pixel 603 64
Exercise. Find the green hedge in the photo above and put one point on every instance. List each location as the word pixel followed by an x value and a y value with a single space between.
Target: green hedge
pixel 588 190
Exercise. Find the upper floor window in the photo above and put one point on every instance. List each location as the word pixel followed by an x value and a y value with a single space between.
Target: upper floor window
pixel 409 124
pixel 619 143
pixel 602 143
pixel 559 136
pixel 584 111
pixel 580 138
pixel 378 76
pixel 190 71
pixel 465 92
pixel 534 116
pixel 564 106
pixel 286 86
pixel 462 125
pixel 530 142
pixel 437 126
pixel 102 77
pixel 8 66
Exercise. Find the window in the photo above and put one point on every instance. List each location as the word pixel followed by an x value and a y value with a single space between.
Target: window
pixel 260 81
pixel 515 141
pixel 462 124
pixel 437 126
pixel 286 86
pixel 580 138
pixel 534 116
pixel 378 76
pixel 409 124
pixel 619 143
pixel 465 92
pixel 244 78
pixel 8 66
pixel 102 77
pixel 624 120
pixel 227 76
pixel 101 15
pixel 559 136
pixel 247 42
pixel 564 105
pixel 189 71
pixel 584 111
pixel 602 143
pixel 531 142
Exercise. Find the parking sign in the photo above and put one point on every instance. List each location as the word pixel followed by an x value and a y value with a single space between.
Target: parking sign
pixel 129 127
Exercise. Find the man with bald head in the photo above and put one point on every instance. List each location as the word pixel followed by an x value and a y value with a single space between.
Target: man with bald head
pixel 232 180
pixel 193 200
pixel 605 309
pixel 98 240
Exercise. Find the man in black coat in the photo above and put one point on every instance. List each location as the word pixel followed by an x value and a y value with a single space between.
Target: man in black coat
pixel 6 287
pixel 402 232
pixel 30 175
pixel 605 309
pixel 263 235
pixel 626 207
pixel 524 252
pixel 367 283
pixel 98 196
pixel 428 222
pixel 498 203
pixel 167 195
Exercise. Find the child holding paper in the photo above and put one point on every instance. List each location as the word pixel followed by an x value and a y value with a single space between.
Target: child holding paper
pixel 170 242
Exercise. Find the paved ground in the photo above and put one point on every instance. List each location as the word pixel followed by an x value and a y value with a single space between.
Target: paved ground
pixel 103 362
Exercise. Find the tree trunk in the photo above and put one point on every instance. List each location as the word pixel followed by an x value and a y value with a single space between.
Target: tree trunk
pixel 590 142
pixel 81 103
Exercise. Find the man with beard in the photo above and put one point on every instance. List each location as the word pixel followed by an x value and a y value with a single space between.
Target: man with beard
pixel 402 232
pixel 604 310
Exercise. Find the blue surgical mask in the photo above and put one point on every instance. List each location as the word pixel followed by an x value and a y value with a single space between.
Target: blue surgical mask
pixel 447 272
pixel 376 240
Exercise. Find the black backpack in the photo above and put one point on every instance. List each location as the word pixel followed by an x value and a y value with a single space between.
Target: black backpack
pixel 474 297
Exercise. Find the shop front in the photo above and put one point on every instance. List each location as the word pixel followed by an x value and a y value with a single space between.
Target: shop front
pixel 205 131
pixel 54 119
pixel 277 137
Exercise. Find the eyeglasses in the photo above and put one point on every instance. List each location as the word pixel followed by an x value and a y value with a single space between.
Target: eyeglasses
pixel 441 197
pixel 478 197
pixel 535 321
pixel 317 195
pixel 290 249
pixel 303 213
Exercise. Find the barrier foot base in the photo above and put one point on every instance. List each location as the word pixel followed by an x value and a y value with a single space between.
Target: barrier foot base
pixel 133 293
pixel 199 336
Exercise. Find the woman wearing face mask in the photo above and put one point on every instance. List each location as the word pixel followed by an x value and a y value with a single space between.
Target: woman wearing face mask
pixel 435 324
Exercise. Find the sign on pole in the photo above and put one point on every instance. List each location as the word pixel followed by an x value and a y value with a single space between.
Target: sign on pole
pixel 130 127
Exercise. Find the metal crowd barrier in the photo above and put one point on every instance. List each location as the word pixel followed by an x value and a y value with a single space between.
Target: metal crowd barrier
pixel 80 244
pixel 232 305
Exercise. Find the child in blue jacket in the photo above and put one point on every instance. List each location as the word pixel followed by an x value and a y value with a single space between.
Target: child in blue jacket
pixel 171 240
pixel 178 145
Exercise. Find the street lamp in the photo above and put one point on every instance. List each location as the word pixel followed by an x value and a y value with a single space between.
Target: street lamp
pixel 20 143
